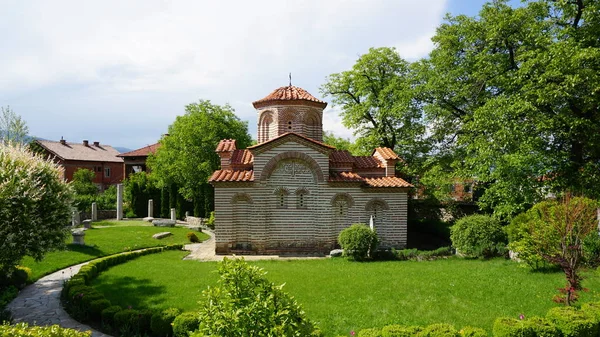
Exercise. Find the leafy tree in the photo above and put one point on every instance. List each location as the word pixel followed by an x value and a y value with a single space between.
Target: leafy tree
pixel 377 99
pixel 478 236
pixel 83 182
pixel 511 98
pixel 556 232
pixel 187 156
pixel 245 303
pixel 12 127
pixel 34 206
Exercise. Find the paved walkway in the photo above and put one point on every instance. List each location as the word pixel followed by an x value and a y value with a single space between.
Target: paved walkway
pixel 39 303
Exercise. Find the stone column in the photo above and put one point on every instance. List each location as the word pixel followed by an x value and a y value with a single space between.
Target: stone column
pixel 75 220
pixel 173 214
pixel 150 208
pixel 78 236
pixel 119 201
pixel 94 211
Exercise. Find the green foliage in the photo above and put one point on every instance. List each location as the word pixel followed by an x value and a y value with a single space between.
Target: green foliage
pixel 210 222
pixel 573 322
pixel 108 198
pixel 400 331
pixel 591 250
pixel 358 241
pixel 372 332
pixel 24 330
pixel 415 254
pixel 470 331
pixel 96 308
pixel 511 327
pixel 192 237
pixel 138 189
pixel 377 99
pixel 161 322
pixel 13 129
pixel 245 303
pixel 478 236
pixel 556 232
pixel 438 330
pixel 185 323
pixel 83 182
pixel 108 316
pixel 187 156
pixel 543 327
pixel 511 96
pixel 34 206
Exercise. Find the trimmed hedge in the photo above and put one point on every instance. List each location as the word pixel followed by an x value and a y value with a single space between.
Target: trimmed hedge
pixel 186 323
pixel 24 330
pixel 161 322
pixel 84 303
pixel 559 322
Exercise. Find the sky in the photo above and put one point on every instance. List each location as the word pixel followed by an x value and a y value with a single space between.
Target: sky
pixel 120 72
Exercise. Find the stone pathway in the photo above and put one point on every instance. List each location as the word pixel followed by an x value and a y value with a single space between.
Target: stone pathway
pixel 39 303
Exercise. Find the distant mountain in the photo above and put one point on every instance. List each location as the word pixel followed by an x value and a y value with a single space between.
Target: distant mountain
pixel 122 149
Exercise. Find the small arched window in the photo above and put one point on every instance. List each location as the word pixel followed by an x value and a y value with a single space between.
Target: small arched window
pixel 302 198
pixel 281 194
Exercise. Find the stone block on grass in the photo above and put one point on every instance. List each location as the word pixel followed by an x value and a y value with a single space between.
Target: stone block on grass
pixel 164 223
pixel 161 235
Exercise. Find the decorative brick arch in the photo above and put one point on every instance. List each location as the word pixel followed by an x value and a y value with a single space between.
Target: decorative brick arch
pixel 272 164
pixel 280 190
pixel 302 190
pixel 376 201
pixel 241 197
pixel 343 196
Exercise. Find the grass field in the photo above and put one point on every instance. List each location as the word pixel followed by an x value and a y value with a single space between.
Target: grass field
pixel 343 296
pixel 106 241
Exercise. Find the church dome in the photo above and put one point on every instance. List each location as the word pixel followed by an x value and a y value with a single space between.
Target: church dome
pixel 289 95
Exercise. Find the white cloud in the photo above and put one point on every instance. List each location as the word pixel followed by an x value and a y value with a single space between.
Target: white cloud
pixel 140 61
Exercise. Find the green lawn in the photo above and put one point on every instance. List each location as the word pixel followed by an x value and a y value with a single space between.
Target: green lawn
pixel 343 296
pixel 106 241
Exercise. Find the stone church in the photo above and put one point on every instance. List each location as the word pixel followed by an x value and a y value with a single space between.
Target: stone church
pixel 291 193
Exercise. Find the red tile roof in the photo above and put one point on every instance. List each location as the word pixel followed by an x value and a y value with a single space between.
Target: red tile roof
pixel 242 157
pixel 78 151
pixel 341 156
pixel 226 145
pixel 386 153
pixel 231 175
pixel 387 182
pixel 345 177
pixel 367 162
pixel 141 152
pixel 289 94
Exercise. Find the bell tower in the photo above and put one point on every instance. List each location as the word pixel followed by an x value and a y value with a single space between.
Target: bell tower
pixel 289 109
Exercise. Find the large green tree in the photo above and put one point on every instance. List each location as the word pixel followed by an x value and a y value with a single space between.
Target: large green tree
pixel 513 96
pixel 377 99
pixel 187 156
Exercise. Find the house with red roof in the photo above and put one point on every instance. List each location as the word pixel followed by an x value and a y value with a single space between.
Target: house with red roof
pixel 100 158
pixel 291 193
pixel 135 161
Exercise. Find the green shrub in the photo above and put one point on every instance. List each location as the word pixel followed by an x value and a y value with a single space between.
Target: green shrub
pixel 36 205
pixel 210 222
pixel 373 332
pixel 542 327
pixel 592 310
pixel 96 308
pixel 185 323
pixel 439 330
pixel 358 241
pixel 161 322
pixel 478 236
pixel 470 331
pixel 572 322
pixel 511 327
pixel 108 315
pixel 591 250
pixel 245 303
pixel 193 237
pixel 521 242
pixel 400 331
pixel 23 330
pixel 127 322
